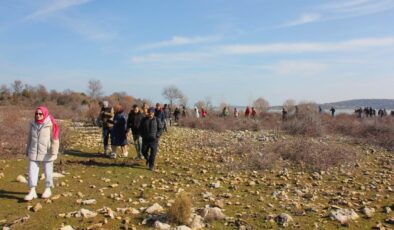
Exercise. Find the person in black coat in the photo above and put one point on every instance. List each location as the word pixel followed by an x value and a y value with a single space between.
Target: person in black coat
pixel 150 130
pixel 133 122
pixel 119 132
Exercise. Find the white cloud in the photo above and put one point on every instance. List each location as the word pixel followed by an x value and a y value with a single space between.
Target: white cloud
pixel 297 68
pixel 180 40
pixel 54 7
pixel 305 18
pixel 170 57
pixel 311 47
pixel 342 9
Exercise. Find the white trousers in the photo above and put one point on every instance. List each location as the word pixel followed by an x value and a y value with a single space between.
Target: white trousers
pixel 34 169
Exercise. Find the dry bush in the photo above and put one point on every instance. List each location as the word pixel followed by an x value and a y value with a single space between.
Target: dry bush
pixel 65 135
pixel 180 211
pixel 15 126
pixel 314 155
pixel 307 124
pixel 92 112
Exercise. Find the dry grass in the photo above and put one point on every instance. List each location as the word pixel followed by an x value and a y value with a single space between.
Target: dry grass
pixel 180 211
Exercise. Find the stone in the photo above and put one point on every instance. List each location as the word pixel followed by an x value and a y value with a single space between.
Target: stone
pixel 55 197
pixel 21 179
pixel 1 175
pixel 344 215
pixel 85 213
pixel 197 222
pixel 387 210
pixel 182 227
pixel 219 204
pixel 210 214
pixel 369 212
pixel 283 219
pixel 155 208
pixel 87 202
pixel 215 185
pixel 95 226
pixel 37 207
pixel 390 220
pixel 67 227
pixel 161 226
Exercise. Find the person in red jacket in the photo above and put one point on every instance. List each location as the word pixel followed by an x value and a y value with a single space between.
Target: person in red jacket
pixel 203 112
pixel 247 111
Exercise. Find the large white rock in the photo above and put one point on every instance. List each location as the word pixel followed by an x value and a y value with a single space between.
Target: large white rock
pixel 85 213
pixel 210 214
pixel 197 222
pixel 182 227
pixel 344 215
pixel 67 227
pixel 161 226
pixel 155 208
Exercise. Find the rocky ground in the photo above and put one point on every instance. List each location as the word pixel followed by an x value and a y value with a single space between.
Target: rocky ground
pixel 94 192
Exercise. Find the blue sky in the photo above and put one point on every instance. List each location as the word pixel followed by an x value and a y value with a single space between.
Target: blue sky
pixel 231 51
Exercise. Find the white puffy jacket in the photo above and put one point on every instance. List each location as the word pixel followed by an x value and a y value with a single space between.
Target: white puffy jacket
pixel 41 146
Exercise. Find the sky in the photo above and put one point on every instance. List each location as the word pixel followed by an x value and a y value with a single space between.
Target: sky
pixel 230 51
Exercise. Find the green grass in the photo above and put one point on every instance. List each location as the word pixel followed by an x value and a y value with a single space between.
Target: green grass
pixel 178 166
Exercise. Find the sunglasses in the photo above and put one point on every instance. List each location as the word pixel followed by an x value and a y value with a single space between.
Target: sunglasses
pixel 39 114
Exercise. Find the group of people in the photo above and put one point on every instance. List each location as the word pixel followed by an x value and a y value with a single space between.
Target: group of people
pixel 249 112
pixel 146 124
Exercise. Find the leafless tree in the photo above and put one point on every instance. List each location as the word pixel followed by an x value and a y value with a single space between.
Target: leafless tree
pixel 289 104
pixel 95 89
pixel 261 104
pixel 173 93
pixel 17 87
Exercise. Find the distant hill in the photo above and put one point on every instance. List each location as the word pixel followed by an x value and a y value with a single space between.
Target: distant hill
pixel 351 104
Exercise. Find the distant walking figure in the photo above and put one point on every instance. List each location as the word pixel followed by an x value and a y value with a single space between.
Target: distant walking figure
pixel 332 111
pixel 236 114
pixel 247 111
pixel 203 112
pixel 150 129
pixel 106 119
pixel 119 133
pixel 133 123
pixel 284 114
pixel 225 112
pixel 254 112
pixel 184 111
pixel 196 112
pixel 177 113
pixel 42 147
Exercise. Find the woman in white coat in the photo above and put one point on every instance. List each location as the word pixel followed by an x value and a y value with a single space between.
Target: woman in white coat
pixel 42 147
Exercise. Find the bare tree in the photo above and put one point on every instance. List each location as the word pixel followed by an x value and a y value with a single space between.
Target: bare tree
pixel 95 89
pixel 4 92
pixel 183 100
pixel 17 87
pixel 261 104
pixel 173 93
pixel 289 104
pixel 200 104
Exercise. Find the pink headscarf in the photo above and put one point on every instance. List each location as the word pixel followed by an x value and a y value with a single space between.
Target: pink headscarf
pixel 45 113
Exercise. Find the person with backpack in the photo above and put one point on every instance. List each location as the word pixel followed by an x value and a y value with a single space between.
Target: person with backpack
pixel 106 119
pixel 133 123
pixel 151 129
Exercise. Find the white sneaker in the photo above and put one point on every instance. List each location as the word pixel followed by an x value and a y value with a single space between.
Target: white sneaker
pixel 32 195
pixel 47 193
pixel 113 155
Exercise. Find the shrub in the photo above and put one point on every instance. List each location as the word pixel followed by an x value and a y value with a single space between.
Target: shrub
pixel 180 211
pixel 306 122
pixel 314 155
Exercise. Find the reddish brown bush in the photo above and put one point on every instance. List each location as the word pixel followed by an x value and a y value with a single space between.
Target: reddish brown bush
pixel 307 124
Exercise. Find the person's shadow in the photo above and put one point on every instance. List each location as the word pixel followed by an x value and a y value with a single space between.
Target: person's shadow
pixel 12 195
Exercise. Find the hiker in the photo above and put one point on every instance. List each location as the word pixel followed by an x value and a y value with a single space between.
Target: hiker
pixel 160 115
pixel 203 112
pixel 236 113
pixel 150 129
pixel 184 111
pixel 177 112
pixel 119 133
pixel 284 114
pixel 144 109
pixel 167 116
pixel 42 146
pixel 320 109
pixel 225 112
pixel 359 112
pixel 332 111
pixel 106 119
pixel 254 112
pixel 247 111
pixel 133 123
pixel 196 112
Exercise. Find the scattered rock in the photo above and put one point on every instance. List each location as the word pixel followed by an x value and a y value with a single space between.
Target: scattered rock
pixel 197 222
pixel 369 212
pixel 344 215
pixel 21 179
pixel 155 208
pixel 67 227
pixel 210 214
pixel 390 220
pixel 182 227
pixel 37 207
pixel 85 213
pixel 283 219
pixel 161 226
pixel 87 202
pixel 215 185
